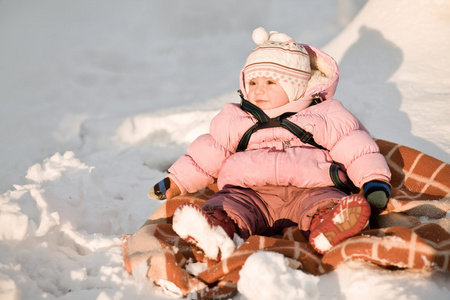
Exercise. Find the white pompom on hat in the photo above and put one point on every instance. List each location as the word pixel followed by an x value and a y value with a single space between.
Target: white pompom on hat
pixel 278 57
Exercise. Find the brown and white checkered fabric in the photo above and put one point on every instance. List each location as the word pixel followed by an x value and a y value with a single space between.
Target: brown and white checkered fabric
pixel 420 187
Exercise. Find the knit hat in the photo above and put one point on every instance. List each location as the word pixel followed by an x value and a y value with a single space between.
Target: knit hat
pixel 278 57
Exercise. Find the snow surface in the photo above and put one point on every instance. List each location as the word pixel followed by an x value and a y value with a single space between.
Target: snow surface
pixel 99 98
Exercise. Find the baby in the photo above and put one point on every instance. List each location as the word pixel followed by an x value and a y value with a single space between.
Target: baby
pixel 288 155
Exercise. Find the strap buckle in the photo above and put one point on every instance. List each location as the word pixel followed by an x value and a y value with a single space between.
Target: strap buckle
pixel 306 137
pixel 317 98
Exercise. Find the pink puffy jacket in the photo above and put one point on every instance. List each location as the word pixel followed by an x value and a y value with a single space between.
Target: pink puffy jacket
pixel 274 156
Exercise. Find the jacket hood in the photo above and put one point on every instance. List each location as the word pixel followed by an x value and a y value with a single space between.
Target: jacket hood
pixel 323 82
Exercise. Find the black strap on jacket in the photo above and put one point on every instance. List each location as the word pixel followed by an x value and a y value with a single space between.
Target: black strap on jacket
pixel 264 121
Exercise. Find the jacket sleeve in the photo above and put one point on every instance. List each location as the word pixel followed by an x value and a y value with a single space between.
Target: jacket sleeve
pixel 207 153
pixel 360 155
pixel 351 145
pixel 202 164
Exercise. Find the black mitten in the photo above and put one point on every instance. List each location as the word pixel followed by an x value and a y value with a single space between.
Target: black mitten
pixel 165 189
pixel 377 193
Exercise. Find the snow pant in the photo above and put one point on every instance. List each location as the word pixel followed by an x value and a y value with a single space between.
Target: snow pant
pixel 268 210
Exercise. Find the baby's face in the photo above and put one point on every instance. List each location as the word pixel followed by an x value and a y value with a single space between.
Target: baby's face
pixel 266 93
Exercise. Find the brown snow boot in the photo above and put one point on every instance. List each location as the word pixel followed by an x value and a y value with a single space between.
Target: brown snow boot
pixel 208 228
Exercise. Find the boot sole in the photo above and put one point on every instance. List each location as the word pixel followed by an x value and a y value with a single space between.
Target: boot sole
pixel 348 218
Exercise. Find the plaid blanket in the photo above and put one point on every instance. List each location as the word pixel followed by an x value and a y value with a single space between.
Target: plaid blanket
pixel 397 238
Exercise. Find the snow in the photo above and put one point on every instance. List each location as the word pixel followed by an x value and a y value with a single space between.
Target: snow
pixel 321 243
pixel 196 268
pixel 99 98
pixel 274 268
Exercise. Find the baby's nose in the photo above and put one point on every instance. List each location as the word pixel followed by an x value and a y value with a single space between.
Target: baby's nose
pixel 260 88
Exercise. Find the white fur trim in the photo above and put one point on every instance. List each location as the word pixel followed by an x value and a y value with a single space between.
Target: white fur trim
pixel 321 72
pixel 189 221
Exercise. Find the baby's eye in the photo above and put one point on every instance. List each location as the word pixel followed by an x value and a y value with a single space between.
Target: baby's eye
pixel 251 83
pixel 271 82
